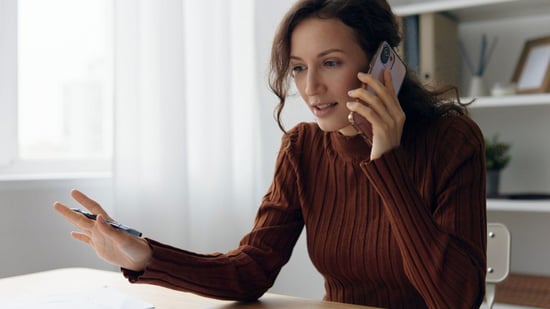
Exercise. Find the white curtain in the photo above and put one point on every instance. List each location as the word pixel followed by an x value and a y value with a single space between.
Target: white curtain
pixel 186 161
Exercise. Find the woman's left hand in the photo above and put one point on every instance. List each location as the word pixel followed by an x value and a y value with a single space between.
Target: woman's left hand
pixel 112 245
pixel 382 110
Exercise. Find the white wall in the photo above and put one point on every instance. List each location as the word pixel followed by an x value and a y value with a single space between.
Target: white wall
pixel 32 236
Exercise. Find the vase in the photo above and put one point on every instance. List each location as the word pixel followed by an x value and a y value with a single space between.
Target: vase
pixel 478 87
pixel 493 183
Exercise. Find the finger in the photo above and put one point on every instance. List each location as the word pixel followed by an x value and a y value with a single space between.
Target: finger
pixel 370 104
pixel 393 102
pixel 108 231
pixel 377 98
pixel 385 102
pixel 362 94
pixel 371 81
pixel 81 237
pixel 393 106
pixel 359 108
pixel 384 111
pixel 382 88
pixel 88 203
pixel 388 81
pixel 74 218
pixel 382 122
pixel 104 227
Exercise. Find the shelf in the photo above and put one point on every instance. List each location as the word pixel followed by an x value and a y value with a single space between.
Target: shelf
pixel 420 7
pixel 510 101
pixel 473 10
pixel 519 205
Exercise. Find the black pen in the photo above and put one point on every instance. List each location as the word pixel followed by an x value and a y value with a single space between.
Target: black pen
pixel 110 222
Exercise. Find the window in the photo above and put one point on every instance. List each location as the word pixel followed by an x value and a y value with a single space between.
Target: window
pixel 57 106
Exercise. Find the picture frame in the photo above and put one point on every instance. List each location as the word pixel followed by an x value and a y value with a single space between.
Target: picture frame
pixel 532 73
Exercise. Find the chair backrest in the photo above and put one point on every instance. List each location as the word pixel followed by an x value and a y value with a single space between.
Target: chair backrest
pixel 498 259
pixel 498 252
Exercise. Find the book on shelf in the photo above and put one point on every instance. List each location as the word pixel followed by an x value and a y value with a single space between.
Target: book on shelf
pixel 431 48
pixel 410 48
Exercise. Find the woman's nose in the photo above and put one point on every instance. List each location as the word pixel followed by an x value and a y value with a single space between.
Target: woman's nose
pixel 314 84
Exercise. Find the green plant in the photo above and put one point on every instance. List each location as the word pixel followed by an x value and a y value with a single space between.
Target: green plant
pixel 496 154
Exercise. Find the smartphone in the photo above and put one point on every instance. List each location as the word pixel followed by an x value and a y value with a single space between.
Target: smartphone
pixel 110 222
pixel 384 58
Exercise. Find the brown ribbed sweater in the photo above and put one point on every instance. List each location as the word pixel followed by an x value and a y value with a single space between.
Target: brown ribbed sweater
pixel 407 230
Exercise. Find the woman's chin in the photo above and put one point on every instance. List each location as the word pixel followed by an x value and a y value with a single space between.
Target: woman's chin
pixel 345 129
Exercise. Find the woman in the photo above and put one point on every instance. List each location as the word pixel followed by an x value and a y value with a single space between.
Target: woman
pixel 398 224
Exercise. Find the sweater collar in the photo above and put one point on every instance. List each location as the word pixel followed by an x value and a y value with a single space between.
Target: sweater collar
pixel 350 148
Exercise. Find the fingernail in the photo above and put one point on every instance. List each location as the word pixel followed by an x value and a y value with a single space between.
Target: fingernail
pixel 350 92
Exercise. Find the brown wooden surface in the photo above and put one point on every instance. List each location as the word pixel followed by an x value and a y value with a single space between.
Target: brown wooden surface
pixel 76 280
pixel 523 289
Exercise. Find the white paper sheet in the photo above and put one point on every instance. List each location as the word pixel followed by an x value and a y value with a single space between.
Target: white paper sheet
pixel 103 298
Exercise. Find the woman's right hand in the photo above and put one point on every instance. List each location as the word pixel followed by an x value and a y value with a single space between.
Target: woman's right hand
pixel 112 245
pixel 382 110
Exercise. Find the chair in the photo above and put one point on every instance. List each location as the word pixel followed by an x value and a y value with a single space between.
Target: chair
pixel 498 259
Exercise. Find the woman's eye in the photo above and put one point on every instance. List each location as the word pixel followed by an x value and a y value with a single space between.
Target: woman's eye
pixel 331 63
pixel 297 69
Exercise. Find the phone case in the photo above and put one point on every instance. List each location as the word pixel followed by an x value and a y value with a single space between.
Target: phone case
pixel 385 57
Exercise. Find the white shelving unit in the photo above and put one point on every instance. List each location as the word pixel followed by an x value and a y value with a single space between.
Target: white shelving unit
pixel 523 120
pixel 510 101
pixel 536 206
pixel 484 14
pixel 472 10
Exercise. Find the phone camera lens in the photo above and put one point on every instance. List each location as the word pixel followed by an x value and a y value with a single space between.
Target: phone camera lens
pixel 385 54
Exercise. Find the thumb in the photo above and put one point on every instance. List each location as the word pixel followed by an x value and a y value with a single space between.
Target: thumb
pixel 104 227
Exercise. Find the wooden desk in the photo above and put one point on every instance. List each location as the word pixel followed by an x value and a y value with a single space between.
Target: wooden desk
pixel 77 280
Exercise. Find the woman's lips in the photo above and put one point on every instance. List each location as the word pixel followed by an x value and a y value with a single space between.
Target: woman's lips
pixel 321 110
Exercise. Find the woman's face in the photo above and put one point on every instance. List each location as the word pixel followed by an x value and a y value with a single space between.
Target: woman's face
pixel 325 58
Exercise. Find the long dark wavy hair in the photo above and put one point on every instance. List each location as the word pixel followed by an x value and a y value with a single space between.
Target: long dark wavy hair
pixel 372 22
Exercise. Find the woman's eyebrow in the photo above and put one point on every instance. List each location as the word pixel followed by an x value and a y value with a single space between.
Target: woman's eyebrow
pixel 321 54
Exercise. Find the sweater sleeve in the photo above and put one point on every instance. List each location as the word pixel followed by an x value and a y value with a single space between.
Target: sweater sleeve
pixel 442 239
pixel 246 272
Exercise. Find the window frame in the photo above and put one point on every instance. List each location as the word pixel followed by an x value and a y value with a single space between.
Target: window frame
pixel 8 82
pixel 12 167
